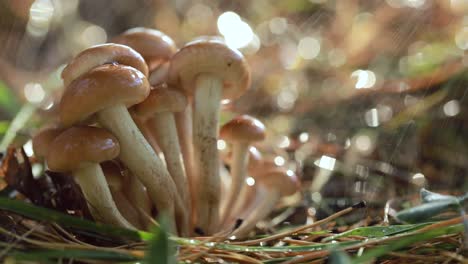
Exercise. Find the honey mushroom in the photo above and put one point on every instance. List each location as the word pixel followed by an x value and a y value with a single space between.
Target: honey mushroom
pixel 209 71
pixel 115 181
pixel 255 167
pixel 99 55
pixel 158 109
pixel 154 46
pixel 157 49
pixel 107 90
pixel 270 187
pixel 79 150
pixel 240 132
pixel 42 139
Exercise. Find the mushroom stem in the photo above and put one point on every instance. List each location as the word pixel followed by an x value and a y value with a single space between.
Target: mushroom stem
pixel 126 208
pixel 184 131
pixel 240 158
pixel 265 201
pixel 147 134
pixel 164 128
pixel 138 196
pixel 225 181
pixel 207 99
pixel 159 75
pixel 98 196
pixel 246 194
pixel 143 162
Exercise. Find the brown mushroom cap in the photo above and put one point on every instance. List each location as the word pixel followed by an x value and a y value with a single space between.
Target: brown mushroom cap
pixel 155 46
pixel 41 141
pixel 283 180
pixel 102 87
pixel 161 99
pixel 243 128
pixel 79 145
pixel 103 54
pixel 210 55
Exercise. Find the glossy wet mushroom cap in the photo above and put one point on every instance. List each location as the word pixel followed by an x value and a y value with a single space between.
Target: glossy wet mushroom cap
pixel 210 55
pixel 81 145
pixel 102 87
pixel 243 128
pixel 155 46
pixel 103 54
pixel 42 140
pixel 161 99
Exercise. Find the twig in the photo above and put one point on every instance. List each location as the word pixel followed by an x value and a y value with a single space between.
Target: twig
pixel 302 228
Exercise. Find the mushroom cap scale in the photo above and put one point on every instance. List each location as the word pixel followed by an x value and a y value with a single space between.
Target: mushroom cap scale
pixel 243 128
pixel 155 46
pixel 102 87
pixel 210 56
pixel 285 181
pixel 81 145
pixel 103 54
pixel 161 99
pixel 41 140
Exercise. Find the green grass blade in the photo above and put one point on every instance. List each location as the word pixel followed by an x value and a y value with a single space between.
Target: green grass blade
pixel 160 249
pixel 429 197
pixel 20 120
pixel 375 231
pixel 48 215
pixel 8 99
pixel 427 210
pixel 406 241
pixel 339 257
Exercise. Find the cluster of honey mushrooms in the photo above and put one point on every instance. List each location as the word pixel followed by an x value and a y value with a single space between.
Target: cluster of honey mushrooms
pixel 138 130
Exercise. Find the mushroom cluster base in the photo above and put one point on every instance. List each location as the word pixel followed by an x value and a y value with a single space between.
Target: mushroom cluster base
pixel 98 196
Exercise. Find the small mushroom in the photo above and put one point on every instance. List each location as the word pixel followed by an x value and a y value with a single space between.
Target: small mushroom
pixel 270 187
pixel 41 141
pixel 79 150
pixel 209 71
pixel 240 132
pixel 158 109
pixel 107 91
pixel 116 183
pixel 155 46
pixel 254 168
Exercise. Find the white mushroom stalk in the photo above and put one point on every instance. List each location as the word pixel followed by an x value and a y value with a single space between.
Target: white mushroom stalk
pixel 209 71
pixel 184 132
pixel 158 109
pixel 270 187
pixel 138 196
pixel 264 203
pixel 115 181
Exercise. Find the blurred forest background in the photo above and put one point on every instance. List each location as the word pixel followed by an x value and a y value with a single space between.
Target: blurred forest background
pixel 364 99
